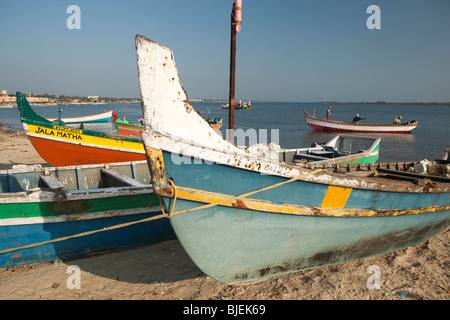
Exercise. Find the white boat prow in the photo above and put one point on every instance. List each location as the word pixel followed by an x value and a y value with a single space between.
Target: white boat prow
pixel 163 94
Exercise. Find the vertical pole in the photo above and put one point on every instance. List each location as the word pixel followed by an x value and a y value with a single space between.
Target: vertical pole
pixel 231 101
pixel 236 17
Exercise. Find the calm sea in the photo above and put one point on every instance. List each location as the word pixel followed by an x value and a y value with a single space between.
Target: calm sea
pixel 428 141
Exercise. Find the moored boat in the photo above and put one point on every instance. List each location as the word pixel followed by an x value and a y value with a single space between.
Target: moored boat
pixel 266 217
pixel 94 118
pixel 60 145
pixel 128 128
pixel 215 123
pixel 45 205
pixel 239 106
pixel 341 149
pixel 339 126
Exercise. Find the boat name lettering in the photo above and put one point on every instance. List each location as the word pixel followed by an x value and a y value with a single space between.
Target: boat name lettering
pixel 45 131
pixel 50 132
pixel 68 135
pixel 67 129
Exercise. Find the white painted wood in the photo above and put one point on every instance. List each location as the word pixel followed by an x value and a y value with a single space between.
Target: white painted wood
pixel 166 107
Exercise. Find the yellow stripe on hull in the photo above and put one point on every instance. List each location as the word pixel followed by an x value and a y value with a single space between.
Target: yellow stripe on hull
pixel 295 209
pixel 336 197
pixel 76 136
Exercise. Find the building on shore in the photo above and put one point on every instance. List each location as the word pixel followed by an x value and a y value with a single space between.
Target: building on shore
pixel 5 99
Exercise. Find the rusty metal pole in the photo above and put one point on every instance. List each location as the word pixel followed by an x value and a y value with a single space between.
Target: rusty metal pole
pixel 231 101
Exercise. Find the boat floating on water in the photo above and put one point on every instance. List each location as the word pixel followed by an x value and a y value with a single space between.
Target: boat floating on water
pixel 342 149
pixel 339 126
pixel 239 106
pixel 244 217
pixel 94 118
pixel 43 204
pixel 128 128
pixel 60 145
pixel 215 123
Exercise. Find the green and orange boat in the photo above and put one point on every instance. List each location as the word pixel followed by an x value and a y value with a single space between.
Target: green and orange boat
pixel 60 145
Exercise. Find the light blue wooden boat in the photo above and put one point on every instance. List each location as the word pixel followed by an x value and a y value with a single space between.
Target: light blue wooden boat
pixel 243 217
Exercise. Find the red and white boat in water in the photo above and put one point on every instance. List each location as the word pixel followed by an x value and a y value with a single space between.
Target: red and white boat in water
pixel 339 126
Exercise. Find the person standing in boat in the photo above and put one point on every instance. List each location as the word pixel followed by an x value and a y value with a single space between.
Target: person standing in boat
pixel 329 111
pixel 357 118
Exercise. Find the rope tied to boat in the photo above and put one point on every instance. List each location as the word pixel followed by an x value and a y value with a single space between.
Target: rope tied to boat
pixel 213 204
pixel 163 215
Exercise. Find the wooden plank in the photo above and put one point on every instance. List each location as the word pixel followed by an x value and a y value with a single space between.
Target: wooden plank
pixel 122 179
pixel 413 175
pixel 53 182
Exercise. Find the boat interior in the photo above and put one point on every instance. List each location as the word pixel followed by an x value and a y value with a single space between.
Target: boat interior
pixel 89 177
pixel 339 146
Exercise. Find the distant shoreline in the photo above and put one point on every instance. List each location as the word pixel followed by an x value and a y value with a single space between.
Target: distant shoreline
pixel 326 102
pixel 387 102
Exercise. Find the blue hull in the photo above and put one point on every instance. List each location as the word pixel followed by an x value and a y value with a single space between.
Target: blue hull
pixel 235 245
pixel 242 215
pixel 140 234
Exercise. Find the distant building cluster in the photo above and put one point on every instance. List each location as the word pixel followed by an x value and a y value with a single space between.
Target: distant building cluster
pixel 5 99
pixel 52 100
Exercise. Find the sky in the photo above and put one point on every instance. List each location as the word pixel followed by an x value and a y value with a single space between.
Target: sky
pixel 287 50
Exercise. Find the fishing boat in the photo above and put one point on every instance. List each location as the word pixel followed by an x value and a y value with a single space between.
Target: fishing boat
pixel 342 149
pixel 339 126
pixel 94 118
pixel 128 128
pixel 239 105
pixel 44 205
pixel 60 145
pixel 215 123
pixel 244 217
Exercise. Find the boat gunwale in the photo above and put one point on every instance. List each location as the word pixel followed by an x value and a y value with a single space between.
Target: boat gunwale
pixel 261 205
pixel 251 162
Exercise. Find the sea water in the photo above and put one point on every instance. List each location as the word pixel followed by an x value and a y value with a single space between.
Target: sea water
pixel 428 141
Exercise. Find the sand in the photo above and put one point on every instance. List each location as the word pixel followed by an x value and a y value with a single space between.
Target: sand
pixel 165 272
pixel 15 148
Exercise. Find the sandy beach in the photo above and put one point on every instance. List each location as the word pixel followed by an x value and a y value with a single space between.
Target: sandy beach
pixel 165 272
